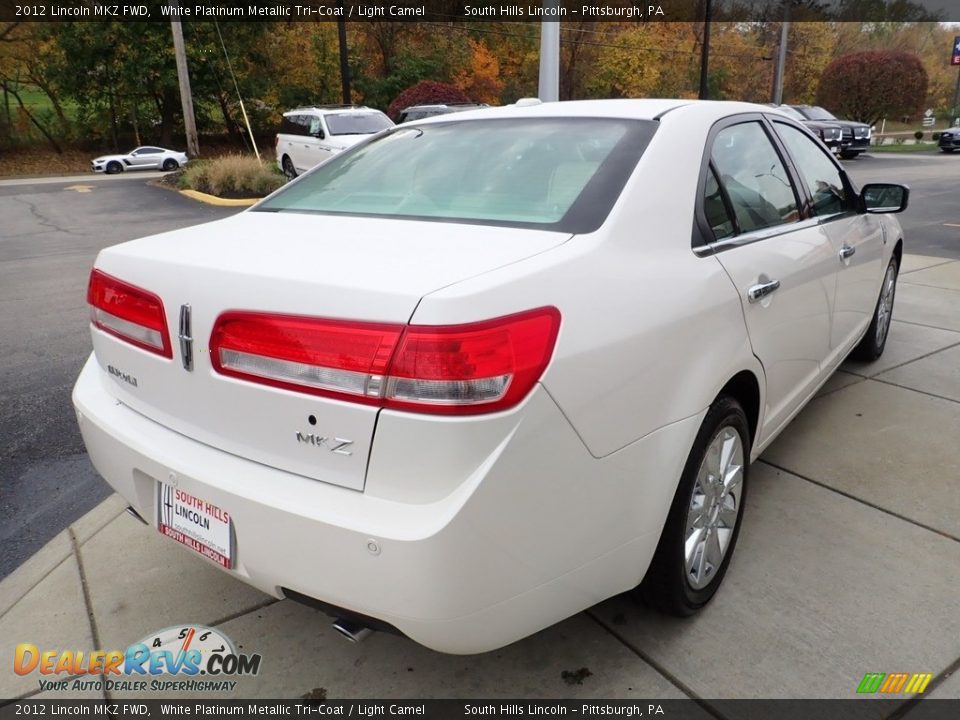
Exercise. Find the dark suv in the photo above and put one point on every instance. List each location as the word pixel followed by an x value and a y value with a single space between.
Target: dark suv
pixel 830 133
pixel 856 135
pixel 950 140
pixel 419 112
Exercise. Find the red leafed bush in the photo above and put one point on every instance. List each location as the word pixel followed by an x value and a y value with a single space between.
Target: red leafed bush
pixel 425 92
pixel 874 84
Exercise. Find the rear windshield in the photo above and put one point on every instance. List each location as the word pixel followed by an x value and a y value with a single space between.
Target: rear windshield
pixel 560 174
pixel 817 113
pixel 790 112
pixel 357 124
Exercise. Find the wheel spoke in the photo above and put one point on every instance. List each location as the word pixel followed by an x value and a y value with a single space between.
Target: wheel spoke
pixel 694 542
pixel 728 449
pixel 733 478
pixel 713 552
pixel 701 569
pixel 727 517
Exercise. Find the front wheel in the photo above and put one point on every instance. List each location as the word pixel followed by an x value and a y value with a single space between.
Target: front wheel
pixel 847 155
pixel 114 167
pixel 704 521
pixel 872 345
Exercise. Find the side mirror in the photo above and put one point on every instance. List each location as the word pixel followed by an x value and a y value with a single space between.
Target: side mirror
pixel 320 134
pixel 884 198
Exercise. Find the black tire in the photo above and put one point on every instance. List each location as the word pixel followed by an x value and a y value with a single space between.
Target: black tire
pixel 848 155
pixel 872 344
pixel 288 169
pixel 170 164
pixel 114 167
pixel 667 585
pixel 947 150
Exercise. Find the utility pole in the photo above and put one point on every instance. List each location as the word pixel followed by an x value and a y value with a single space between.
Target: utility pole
pixel 781 56
pixel 183 75
pixel 549 88
pixel 344 63
pixel 705 52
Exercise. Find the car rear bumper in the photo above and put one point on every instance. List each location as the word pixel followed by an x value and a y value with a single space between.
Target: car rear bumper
pixel 536 532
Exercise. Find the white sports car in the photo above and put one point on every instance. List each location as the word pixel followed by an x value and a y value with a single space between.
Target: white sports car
pixel 488 369
pixel 142 158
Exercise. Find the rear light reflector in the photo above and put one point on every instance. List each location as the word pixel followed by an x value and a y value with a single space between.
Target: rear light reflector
pixel 300 353
pixel 455 369
pixel 129 313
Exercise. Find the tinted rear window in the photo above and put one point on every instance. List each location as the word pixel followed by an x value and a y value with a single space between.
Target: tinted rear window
pixel 553 173
pixel 357 124
pixel 290 125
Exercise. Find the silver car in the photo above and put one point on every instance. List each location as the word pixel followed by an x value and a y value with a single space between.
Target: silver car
pixel 147 157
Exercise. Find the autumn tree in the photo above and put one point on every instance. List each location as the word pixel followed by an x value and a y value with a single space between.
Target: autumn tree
pixel 425 92
pixel 645 60
pixel 874 84
pixel 480 81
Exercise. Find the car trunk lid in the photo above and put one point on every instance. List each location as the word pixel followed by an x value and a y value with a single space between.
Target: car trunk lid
pixel 356 269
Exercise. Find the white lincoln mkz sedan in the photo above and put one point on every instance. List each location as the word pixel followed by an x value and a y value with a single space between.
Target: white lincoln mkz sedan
pixel 481 372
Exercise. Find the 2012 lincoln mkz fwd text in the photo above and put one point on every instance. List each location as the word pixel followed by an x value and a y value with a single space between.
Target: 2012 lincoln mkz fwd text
pixel 483 371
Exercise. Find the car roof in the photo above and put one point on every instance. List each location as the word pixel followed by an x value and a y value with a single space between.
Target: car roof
pixel 642 109
pixel 330 109
pixel 431 106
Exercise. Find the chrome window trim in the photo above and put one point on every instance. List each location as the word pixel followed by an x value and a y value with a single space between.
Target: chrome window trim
pixel 754 236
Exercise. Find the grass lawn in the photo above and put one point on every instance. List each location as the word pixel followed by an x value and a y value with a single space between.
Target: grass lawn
pixel 904 147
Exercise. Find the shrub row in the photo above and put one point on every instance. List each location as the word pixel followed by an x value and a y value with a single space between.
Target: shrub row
pixel 232 176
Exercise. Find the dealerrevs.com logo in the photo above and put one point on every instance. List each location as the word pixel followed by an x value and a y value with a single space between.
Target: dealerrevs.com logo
pixel 176 659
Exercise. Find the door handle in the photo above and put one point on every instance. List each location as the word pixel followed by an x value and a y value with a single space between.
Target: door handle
pixel 847 251
pixel 762 290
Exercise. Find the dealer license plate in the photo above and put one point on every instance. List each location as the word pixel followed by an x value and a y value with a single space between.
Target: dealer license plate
pixel 196 523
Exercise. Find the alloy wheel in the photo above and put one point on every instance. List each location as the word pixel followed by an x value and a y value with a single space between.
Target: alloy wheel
pixel 885 306
pixel 714 507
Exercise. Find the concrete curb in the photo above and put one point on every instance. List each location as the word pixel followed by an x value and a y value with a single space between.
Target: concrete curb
pixel 222 202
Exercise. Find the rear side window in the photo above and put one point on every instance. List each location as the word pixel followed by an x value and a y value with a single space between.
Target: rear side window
pixel 753 177
pixel 290 125
pixel 818 172
pixel 553 173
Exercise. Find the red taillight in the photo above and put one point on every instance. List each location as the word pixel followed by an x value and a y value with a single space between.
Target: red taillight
pixel 129 313
pixel 455 369
pixel 324 357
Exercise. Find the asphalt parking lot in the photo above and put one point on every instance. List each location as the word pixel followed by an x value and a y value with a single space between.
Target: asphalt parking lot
pixel 848 561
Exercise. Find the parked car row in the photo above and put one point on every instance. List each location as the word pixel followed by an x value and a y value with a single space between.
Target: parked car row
pixel 847 138
pixel 310 135
pixel 855 136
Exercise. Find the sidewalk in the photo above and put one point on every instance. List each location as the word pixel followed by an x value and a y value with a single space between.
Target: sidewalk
pixel 848 563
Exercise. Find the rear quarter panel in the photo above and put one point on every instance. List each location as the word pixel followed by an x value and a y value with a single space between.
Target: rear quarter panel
pixel 650 332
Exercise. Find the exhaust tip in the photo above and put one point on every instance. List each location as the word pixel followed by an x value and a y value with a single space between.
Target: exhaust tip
pixel 135 515
pixel 354 632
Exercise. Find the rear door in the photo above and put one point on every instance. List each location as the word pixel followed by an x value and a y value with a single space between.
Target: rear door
pixel 856 238
pixel 782 265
